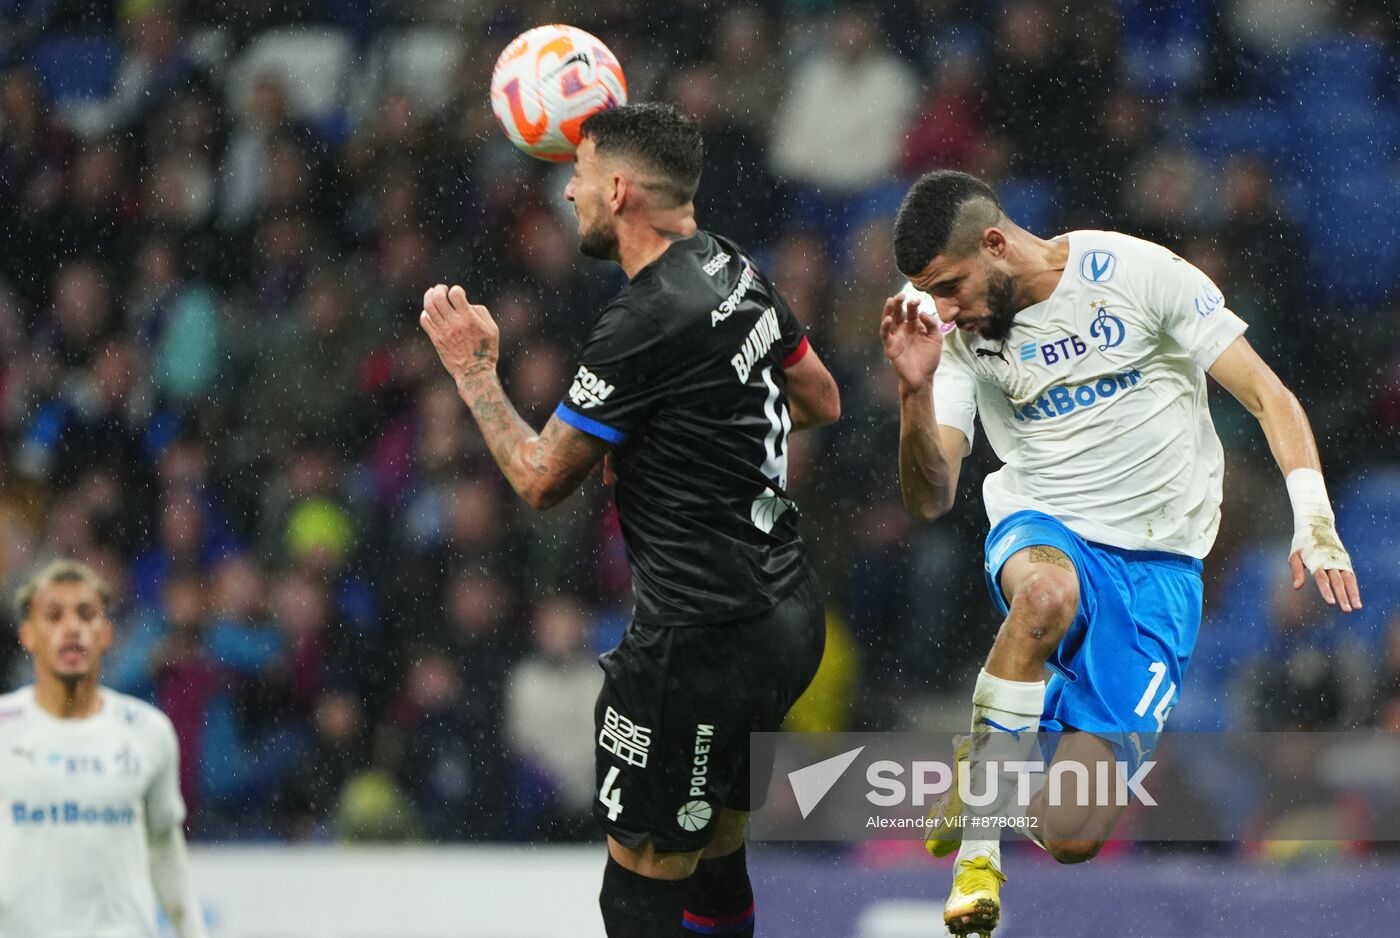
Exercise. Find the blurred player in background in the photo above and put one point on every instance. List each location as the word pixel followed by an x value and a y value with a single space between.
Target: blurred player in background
pixel 91 830
pixel 692 379
pixel 1085 358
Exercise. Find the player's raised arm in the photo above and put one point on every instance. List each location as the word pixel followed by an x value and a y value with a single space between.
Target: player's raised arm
pixel 1316 545
pixel 543 468
pixel 930 454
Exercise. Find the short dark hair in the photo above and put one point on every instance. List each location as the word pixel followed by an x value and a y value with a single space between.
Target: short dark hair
pixel 657 136
pixel 924 227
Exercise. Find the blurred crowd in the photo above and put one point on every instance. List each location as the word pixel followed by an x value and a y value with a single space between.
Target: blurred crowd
pixel 213 387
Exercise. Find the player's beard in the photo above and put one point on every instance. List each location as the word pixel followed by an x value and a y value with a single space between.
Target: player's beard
pixel 70 679
pixel 598 241
pixel 1001 306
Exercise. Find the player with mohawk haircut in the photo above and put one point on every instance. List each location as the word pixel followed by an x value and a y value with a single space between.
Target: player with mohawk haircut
pixel 1084 357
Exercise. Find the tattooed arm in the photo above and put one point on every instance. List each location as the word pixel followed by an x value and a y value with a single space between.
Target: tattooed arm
pixel 543 468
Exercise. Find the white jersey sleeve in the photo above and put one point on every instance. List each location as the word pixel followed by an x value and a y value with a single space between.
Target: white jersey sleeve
pixel 1190 307
pixel 165 808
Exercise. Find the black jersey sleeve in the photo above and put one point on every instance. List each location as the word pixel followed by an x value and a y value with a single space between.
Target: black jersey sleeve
pixel 792 344
pixel 619 377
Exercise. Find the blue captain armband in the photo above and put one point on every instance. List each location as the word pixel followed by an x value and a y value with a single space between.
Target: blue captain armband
pixel 592 427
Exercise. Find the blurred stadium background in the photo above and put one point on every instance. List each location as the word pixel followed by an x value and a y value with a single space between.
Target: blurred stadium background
pixel 217 219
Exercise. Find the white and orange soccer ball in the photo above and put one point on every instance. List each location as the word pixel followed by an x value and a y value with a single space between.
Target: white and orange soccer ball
pixel 547 82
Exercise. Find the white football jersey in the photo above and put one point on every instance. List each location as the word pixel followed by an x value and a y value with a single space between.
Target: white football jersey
pixel 77 798
pixel 1096 402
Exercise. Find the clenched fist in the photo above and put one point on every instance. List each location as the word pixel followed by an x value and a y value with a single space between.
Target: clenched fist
pixel 467 339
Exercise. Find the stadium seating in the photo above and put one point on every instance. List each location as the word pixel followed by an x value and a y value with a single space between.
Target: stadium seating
pixel 1368 515
pixel 76 69
pixel 1217 131
pixel 423 62
pixel 1164 44
pixel 314 63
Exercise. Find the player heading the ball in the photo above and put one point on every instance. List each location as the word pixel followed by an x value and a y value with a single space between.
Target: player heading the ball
pixel 689 383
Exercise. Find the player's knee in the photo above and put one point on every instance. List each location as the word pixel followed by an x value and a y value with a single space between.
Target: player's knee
pixel 674 866
pixel 1073 851
pixel 1050 599
pixel 647 862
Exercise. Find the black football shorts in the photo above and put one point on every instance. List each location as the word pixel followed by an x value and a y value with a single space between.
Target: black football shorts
pixel 676 710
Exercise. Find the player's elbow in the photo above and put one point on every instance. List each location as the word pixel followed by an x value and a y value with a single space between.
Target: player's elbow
pixel 828 408
pixel 817 407
pixel 833 403
pixel 1281 400
pixel 928 508
pixel 1269 396
pixel 923 512
pixel 540 480
pixel 545 495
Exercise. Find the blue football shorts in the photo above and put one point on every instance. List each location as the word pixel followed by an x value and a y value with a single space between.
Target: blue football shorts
pixel 1119 669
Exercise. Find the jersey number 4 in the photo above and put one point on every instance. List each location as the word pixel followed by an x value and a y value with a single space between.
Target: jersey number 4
pixel 610 796
pixel 769 506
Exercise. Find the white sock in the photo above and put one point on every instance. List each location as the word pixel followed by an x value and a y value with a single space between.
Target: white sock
pixel 1010 711
pixel 1000 705
pixel 1005 717
pixel 972 849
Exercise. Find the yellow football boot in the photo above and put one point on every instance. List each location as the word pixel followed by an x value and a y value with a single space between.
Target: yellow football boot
pixel 974 905
pixel 945 834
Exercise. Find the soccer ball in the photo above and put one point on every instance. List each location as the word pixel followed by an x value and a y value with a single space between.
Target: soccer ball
pixel 547 82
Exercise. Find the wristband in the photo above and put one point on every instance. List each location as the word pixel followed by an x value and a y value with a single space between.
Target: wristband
pixel 1315 536
pixel 1308 495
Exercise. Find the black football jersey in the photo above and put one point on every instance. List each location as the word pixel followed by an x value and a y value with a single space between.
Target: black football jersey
pixel 683 374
